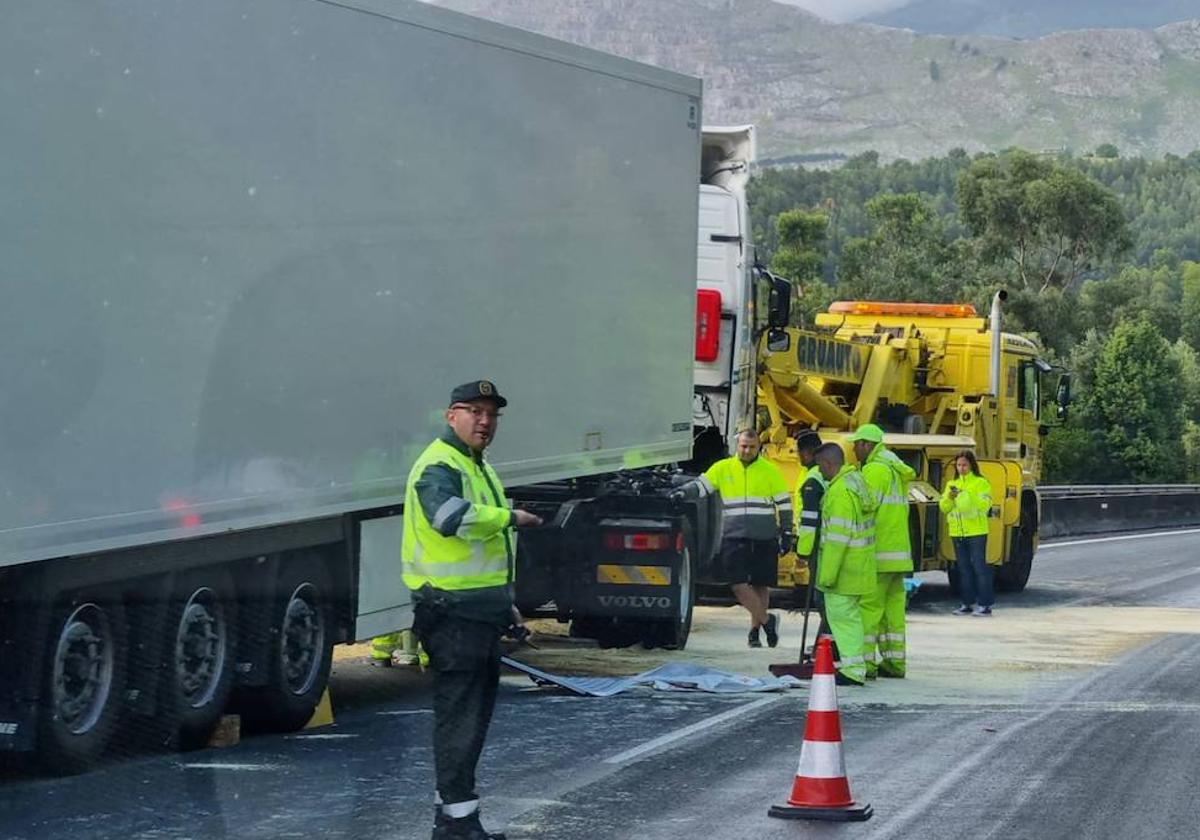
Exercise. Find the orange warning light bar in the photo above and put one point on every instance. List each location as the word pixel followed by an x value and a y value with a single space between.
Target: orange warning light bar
pixel 920 310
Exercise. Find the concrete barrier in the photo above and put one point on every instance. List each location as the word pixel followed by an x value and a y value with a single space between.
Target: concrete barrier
pixel 1105 510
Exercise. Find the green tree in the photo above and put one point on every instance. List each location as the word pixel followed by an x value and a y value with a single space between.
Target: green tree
pixel 1191 451
pixel 1049 317
pixel 800 256
pixel 1049 222
pixel 1187 360
pixel 1189 307
pixel 1107 151
pixel 905 257
pixel 1135 291
pixel 1071 456
pixel 1134 406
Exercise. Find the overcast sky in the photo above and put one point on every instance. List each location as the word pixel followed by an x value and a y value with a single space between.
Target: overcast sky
pixel 844 10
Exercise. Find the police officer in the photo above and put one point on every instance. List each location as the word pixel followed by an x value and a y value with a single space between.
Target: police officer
pixel 846 565
pixel 756 528
pixel 883 610
pixel 809 491
pixel 457 558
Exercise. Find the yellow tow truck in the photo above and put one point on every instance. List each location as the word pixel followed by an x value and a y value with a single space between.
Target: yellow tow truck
pixel 938 379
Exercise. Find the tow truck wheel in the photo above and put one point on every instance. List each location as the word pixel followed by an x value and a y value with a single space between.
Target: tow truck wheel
pixel 672 633
pixel 84 682
pixel 1014 575
pixel 198 671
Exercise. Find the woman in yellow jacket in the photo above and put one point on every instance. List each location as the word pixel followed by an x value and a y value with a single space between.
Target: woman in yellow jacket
pixel 967 504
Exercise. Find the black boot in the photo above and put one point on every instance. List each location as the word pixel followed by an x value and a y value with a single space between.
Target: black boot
pixel 466 828
pixel 772 629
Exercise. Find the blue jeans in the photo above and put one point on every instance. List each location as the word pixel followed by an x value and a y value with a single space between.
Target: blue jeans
pixel 974 574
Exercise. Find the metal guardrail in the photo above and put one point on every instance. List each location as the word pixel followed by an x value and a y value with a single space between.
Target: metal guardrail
pixel 1065 491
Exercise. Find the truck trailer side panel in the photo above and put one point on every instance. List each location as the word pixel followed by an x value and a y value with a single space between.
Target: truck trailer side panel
pixel 249 246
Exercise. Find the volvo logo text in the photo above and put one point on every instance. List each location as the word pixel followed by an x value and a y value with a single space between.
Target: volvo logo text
pixel 637 602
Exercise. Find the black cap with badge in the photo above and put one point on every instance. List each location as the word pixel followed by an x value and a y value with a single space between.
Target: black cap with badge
pixel 481 389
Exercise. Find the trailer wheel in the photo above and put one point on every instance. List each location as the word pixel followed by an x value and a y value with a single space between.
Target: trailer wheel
pixel 301 640
pixel 84 683
pixel 672 633
pixel 198 672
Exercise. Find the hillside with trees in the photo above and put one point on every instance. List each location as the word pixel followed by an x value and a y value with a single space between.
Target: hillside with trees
pixel 1100 255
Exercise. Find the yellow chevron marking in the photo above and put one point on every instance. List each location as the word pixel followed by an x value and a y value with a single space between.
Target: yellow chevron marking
pixel 635 575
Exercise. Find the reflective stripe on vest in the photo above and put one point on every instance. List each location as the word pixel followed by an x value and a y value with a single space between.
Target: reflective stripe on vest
pixel 452 562
pixel 893 549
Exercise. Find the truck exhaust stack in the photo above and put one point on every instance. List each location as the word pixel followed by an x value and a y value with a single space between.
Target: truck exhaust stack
pixel 996 318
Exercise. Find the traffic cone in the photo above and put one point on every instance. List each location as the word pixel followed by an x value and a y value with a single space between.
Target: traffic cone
pixel 821 790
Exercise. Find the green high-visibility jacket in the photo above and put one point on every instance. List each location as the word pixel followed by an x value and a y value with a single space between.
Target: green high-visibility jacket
pixel 457 531
pixel 967 513
pixel 755 499
pixel 887 477
pixel 847 560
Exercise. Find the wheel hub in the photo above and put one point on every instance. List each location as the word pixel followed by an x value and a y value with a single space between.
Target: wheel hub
pixel 303 638
pixel 83 669
pixel 199 648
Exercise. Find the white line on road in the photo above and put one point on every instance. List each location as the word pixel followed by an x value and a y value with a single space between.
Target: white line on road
pixel 1178 532
pixel 408 712
pixel 700 726
pixel 323 736
pixel 219 765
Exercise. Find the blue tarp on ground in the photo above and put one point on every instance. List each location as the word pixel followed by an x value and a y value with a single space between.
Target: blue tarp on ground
pixel 675 676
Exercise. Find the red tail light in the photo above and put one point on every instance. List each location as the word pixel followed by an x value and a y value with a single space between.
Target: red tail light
pixel 188 518
pixel 708 325
pixel 615 541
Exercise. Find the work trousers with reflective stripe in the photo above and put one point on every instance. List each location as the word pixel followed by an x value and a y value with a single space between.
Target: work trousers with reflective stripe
pixel 883 624
pixel 382 646
pixel 465 658
pixel 844 614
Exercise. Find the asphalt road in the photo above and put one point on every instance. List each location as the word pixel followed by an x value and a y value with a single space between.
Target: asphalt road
pixel 1077 737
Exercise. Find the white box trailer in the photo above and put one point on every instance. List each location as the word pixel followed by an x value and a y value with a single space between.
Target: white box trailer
pixel 248 249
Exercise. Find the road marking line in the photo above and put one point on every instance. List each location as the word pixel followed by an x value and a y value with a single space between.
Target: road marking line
pixel 1178 532
pixel 323 736
pixel 408 712
pixel 700 726
pixel 219 765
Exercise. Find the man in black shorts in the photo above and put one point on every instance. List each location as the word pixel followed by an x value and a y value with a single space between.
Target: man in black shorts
pixel 756 529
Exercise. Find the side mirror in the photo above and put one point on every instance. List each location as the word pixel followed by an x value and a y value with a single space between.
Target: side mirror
pixel 779 306
pixel 1063 396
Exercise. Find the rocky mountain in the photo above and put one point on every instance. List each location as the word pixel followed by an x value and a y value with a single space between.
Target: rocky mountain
pixel 1033 18
pixel 822 90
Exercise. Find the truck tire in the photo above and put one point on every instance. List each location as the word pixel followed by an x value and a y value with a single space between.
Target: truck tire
pixel 199 655
pixel 1014 575
pixel 84 682
pixel 672 633
pixel 301 650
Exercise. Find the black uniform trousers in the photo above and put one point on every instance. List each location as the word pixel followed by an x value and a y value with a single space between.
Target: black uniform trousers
pixel 465 658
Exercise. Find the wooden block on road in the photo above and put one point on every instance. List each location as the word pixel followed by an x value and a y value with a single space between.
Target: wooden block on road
pixel 228 732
